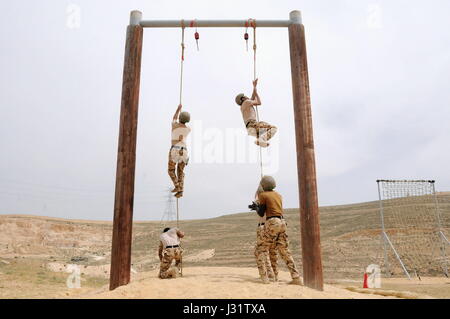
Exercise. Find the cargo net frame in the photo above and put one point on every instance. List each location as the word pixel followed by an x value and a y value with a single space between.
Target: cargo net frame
pixel 412 228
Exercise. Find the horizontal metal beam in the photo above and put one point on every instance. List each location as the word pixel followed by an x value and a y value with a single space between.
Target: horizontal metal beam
pixel 295 17
pixel 404 181
pixel 213 23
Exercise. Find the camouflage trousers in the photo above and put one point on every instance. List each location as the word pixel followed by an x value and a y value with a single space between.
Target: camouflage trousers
pixel 178 160
pixel 169 255
pixel 274 235
pixel 261 130
pixel 267 267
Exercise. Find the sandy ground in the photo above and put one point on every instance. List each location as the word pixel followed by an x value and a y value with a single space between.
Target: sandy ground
pixel 427 287
pixel 36 251
pixel 221 282
pixel 437 287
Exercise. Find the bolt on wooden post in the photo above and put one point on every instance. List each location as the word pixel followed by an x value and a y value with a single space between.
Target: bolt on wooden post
pixel 126 157
pixel 306 167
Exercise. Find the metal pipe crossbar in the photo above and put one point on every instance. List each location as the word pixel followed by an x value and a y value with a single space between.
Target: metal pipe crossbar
pixel 136 19
pixel 214 23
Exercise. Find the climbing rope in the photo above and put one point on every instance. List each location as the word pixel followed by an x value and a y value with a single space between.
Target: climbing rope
pixel 181 95
pixel 252 23
pixel 182 60
pixel 246 35
pixel 178 215
pixel 181 253
pixel 181 81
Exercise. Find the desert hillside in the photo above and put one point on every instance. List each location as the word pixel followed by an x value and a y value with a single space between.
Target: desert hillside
pixel 35 251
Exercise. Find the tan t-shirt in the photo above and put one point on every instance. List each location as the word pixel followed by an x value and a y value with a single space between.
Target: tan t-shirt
pixel 273 202
pixel 179 134
pixel 248 111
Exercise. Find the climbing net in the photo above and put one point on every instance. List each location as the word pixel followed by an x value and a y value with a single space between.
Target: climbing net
pixel 413 224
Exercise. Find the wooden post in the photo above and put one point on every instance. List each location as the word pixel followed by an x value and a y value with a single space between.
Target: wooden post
pixel 306 167
pixel 126 157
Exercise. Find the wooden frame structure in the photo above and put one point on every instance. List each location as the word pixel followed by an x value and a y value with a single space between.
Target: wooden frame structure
pixel 126 158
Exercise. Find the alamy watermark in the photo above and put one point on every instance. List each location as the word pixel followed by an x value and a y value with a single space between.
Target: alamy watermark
pixel 375 16
pixel 374 276
pixel 74 279
pixel 73 16
pixel 211 145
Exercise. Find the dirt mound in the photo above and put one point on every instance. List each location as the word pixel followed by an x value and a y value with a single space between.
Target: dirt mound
pixel 223 282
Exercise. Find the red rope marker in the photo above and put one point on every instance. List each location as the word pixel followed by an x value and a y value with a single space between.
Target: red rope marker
pixel 197 37
pixel 246 34
pixel 196 34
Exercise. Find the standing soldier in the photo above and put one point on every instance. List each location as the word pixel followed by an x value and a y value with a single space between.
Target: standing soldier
pixel 267 267
pixel 178 155
pixel 169 250
pixel 274 233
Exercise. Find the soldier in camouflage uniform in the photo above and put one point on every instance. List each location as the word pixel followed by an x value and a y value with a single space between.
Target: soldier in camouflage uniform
pixel 170 250
pixel 274 233
pixel 267 267
pixel 178 154
pixel 261 130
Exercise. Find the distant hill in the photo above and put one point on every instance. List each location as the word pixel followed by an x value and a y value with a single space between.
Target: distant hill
pixel 350 239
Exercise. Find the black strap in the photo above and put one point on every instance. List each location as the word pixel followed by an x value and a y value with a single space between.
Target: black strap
pixel 250 121
pixel 174 246
pixel 179 147
pixel 261 211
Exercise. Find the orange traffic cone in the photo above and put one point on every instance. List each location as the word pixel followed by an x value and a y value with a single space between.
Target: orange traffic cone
pixel 365 284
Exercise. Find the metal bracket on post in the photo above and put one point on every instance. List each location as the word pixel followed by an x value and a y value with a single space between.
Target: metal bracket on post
pixel 295 17
pixel 135 17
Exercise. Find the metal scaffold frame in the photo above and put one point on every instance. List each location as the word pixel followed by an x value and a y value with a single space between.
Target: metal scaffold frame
pixel 386 241
pixel 126 159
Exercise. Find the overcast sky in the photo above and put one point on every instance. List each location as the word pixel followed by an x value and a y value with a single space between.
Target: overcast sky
pixel 379 77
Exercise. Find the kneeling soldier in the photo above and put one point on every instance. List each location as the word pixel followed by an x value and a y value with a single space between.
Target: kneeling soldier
pixel 169 250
